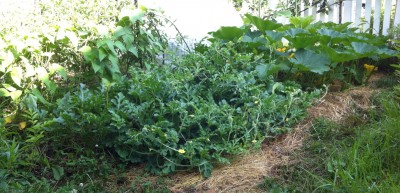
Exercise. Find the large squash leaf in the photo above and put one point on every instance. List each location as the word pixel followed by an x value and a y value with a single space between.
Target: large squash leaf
pixel 309 60
pixel 229 33
pixel 262 24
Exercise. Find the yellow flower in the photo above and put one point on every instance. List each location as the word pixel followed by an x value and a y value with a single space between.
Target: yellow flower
pixel 181 151
pixel 22 125
pixel 281 49
pixel 291 55
pixel 254 141
pixel 370 68
pixel 8 119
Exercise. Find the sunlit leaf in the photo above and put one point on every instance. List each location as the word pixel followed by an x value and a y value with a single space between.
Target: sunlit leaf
pixel 72 38
pixel 4 92
pixel 16 75
pixel 137 15
pixel 301 22
pixel 262 24
pixel 15 95
pixel 9 87
pixel 228 33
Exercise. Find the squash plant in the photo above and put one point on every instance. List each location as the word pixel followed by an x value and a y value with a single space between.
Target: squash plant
pixel 312 53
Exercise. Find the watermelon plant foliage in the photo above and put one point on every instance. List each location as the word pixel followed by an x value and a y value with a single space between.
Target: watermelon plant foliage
pixel 248 85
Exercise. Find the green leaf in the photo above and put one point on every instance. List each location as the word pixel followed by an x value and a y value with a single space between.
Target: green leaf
pixel 110 45
pixel 331 33
pixel 39 96
pixel 4 92
pixel 31 102
pixel 96 67
pixel 228 33
pixel 338 56
pixel 58 172
pixel 89 53
pixel 124 21
pixel 72 38
pixel 16 75
pixel 9 87
pixel 128 40
pixel 273 36
pixel 309 60
pixel 113 59
pixel 265 70
pixel 386 52
pixel 261 24
pixel 120 46
pixel 137 15
pixel 15 94
pixel 363 48
pixel 293 32
pixel 205 169
pixel 122 153
pixel 134 51
pixel 301 22
pixel 121 31
pixel 302 40
pixel 58 68
pixel 102 54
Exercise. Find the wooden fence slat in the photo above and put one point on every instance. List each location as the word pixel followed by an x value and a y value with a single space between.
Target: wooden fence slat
pixel 397 14
pixel 367 16
pixel 347 11
pixel 377 16
pixel 331 11
pixel 322 14
pixel 301 9
pixel 386 17
pixel 358 8
pixel 313 10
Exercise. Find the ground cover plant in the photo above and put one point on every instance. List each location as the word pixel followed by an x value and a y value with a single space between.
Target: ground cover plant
pixel 82 102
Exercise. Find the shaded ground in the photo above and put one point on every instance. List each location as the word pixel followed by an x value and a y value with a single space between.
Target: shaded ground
pixel 245 173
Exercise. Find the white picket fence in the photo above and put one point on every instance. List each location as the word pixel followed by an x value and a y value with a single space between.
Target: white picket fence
pixel 376 16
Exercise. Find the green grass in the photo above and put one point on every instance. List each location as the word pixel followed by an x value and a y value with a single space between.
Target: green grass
pixel 337 158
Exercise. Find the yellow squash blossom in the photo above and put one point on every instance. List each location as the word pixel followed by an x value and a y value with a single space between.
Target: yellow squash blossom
pixel 22 125
pixel 181 151
pixel 370 67
pixel 8 119
pixel 281 49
